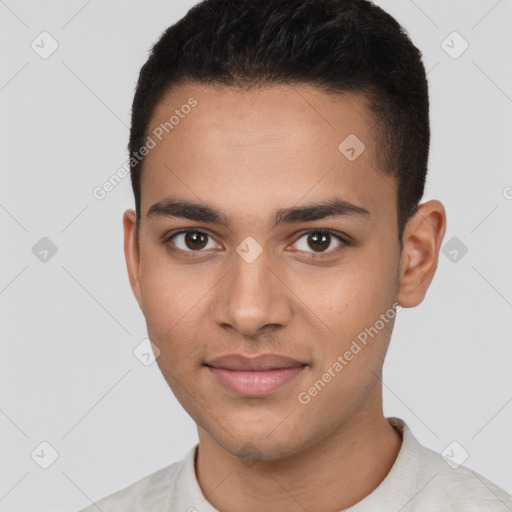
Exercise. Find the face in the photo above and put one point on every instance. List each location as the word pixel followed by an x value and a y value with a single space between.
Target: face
pixel 251 269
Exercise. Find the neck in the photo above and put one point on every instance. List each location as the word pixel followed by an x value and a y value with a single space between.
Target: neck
pixel 333 474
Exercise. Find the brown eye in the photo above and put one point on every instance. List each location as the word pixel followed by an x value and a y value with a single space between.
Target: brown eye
pixel 320 241
pixel 191 241
pixel 195 240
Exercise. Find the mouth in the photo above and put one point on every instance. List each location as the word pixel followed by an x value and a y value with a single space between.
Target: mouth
pixel 255 376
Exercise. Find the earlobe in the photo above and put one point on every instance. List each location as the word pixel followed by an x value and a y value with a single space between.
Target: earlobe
pixel 422 240
pixel 132 253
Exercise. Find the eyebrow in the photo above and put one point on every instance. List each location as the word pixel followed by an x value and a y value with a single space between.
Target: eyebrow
pixel 199 212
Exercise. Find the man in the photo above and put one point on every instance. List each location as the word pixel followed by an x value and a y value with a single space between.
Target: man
pixel 279 154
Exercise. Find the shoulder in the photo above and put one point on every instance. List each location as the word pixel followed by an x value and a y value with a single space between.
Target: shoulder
pixel 459 488
pixel 438 483
pixel 152 493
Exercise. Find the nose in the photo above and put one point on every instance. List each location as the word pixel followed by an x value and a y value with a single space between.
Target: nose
pixel 252 297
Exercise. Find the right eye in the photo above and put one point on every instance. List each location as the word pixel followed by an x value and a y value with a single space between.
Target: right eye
pixel 190 240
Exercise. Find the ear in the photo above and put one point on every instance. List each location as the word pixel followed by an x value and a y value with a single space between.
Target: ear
pixel 422 239
pixel 132 252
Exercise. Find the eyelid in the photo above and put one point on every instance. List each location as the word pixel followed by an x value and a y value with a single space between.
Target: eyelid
pixel 168 236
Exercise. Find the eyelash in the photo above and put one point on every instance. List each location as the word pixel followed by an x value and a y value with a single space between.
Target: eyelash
pixel 190 254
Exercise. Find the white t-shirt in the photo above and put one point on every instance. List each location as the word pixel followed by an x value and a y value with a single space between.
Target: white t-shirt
pixel 419 481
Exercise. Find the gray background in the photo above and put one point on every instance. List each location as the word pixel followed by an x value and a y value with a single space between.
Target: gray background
pixel 69 324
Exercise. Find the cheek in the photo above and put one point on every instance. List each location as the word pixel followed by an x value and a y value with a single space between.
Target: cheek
pixel 350 304
pixel 171 293
pixel 175 302
pixel 348 364
pixel 350 297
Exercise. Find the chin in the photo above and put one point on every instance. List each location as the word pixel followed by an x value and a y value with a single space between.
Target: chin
pixel 254 443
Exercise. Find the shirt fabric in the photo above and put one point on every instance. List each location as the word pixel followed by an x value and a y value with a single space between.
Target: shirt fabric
pixel 419 481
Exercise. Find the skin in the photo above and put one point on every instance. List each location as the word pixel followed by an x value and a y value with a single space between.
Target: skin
pixel 248 154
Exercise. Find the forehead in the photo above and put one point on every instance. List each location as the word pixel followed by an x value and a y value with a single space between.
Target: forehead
pixel 273 146
pixel 227 115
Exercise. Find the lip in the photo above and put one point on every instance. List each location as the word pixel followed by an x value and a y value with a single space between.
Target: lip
pixel 254 376
pixel 262 362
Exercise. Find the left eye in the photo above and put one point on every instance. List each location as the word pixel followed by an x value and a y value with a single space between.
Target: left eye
pixel 319 240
